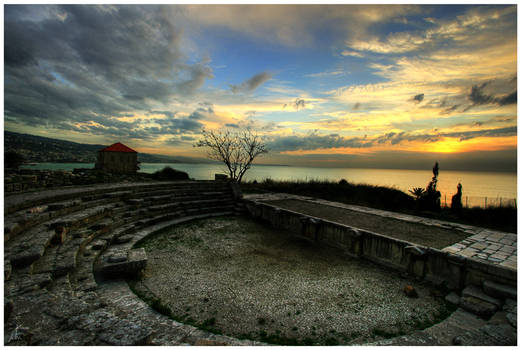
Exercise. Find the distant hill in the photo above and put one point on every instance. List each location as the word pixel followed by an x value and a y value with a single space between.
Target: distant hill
pixel 38 149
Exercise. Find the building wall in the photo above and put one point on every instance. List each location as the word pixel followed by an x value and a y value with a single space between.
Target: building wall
pixel 117 162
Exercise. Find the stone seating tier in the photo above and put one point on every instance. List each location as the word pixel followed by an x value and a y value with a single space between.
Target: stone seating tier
pixel 58 244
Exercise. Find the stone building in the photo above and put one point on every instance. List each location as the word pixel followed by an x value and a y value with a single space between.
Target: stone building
pixel 117 158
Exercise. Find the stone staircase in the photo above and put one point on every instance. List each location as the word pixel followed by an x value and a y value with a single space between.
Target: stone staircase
pixel 65 252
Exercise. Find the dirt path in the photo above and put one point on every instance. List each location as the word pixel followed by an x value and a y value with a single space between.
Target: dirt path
pixel 411 232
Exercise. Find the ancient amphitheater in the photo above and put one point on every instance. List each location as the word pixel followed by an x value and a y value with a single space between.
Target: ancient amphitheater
pixel 68 251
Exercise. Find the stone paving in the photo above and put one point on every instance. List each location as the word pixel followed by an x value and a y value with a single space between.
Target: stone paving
pixel 489 246
pixel 493 247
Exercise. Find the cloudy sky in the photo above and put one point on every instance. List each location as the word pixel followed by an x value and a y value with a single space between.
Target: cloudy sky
pixel 339 85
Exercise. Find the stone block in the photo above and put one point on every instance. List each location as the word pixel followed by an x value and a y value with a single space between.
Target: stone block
pixel 478 306
pixel 123 239
pixel 453 298
pixel 509 263
pixel 499 317
pixel 512 318
pixel 479 245
pixel 468 252
pixel 98 244
pixel 414 250
pixel 116 258
pixel 498 290
pixel 478 293
pixel 125 263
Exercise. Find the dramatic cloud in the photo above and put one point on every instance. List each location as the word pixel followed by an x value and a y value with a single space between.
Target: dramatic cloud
pixel 312 142
pixel 397 138
pixel 232 125
pixel 355 79
pixel 295 26
pixel 252 83
pixel 180 140
pixel 449 110
pixel 78 63
pixel 508 99
pixel 299 103
pixel 323 142
pixel 478 97
pixel 418 98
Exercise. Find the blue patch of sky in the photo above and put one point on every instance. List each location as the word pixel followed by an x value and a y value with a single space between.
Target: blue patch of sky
pixel 241 56
pixel 60 78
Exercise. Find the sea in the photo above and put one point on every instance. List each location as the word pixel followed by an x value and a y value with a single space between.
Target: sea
pixel 479 188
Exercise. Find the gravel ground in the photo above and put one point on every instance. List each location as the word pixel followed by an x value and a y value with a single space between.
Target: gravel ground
pixel 415 233
pixel 244 279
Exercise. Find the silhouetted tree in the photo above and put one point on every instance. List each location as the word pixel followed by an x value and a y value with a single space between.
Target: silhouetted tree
pixel 456 204
pixel 237 150
pixel 417 192
pixel 13 160
pixel 431 199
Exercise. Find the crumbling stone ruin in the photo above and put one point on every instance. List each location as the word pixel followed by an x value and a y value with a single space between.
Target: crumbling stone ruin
pixel 67 251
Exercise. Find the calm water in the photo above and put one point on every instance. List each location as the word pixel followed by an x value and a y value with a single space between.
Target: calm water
pixel 476 185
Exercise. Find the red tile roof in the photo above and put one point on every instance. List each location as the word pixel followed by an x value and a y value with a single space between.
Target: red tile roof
pixel 118 147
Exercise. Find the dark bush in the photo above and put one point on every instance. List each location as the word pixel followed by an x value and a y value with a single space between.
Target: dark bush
pixel 168 173
pixel 342 191
pixel 456 204
pixel 431 198
pixel 13 160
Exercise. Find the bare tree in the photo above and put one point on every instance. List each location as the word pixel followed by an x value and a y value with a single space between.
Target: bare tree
pixel 236 150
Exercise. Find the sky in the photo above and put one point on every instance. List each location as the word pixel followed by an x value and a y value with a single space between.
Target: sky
pixel 377 86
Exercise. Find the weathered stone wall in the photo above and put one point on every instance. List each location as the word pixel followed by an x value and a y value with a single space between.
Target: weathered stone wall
pixel 430 264
pixel 16 181
pixel 117 162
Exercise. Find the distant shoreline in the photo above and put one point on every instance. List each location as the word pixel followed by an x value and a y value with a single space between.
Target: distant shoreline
pixel 32 164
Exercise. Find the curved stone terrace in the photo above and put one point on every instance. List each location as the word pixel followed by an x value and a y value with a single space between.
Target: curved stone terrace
pixel 66 250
